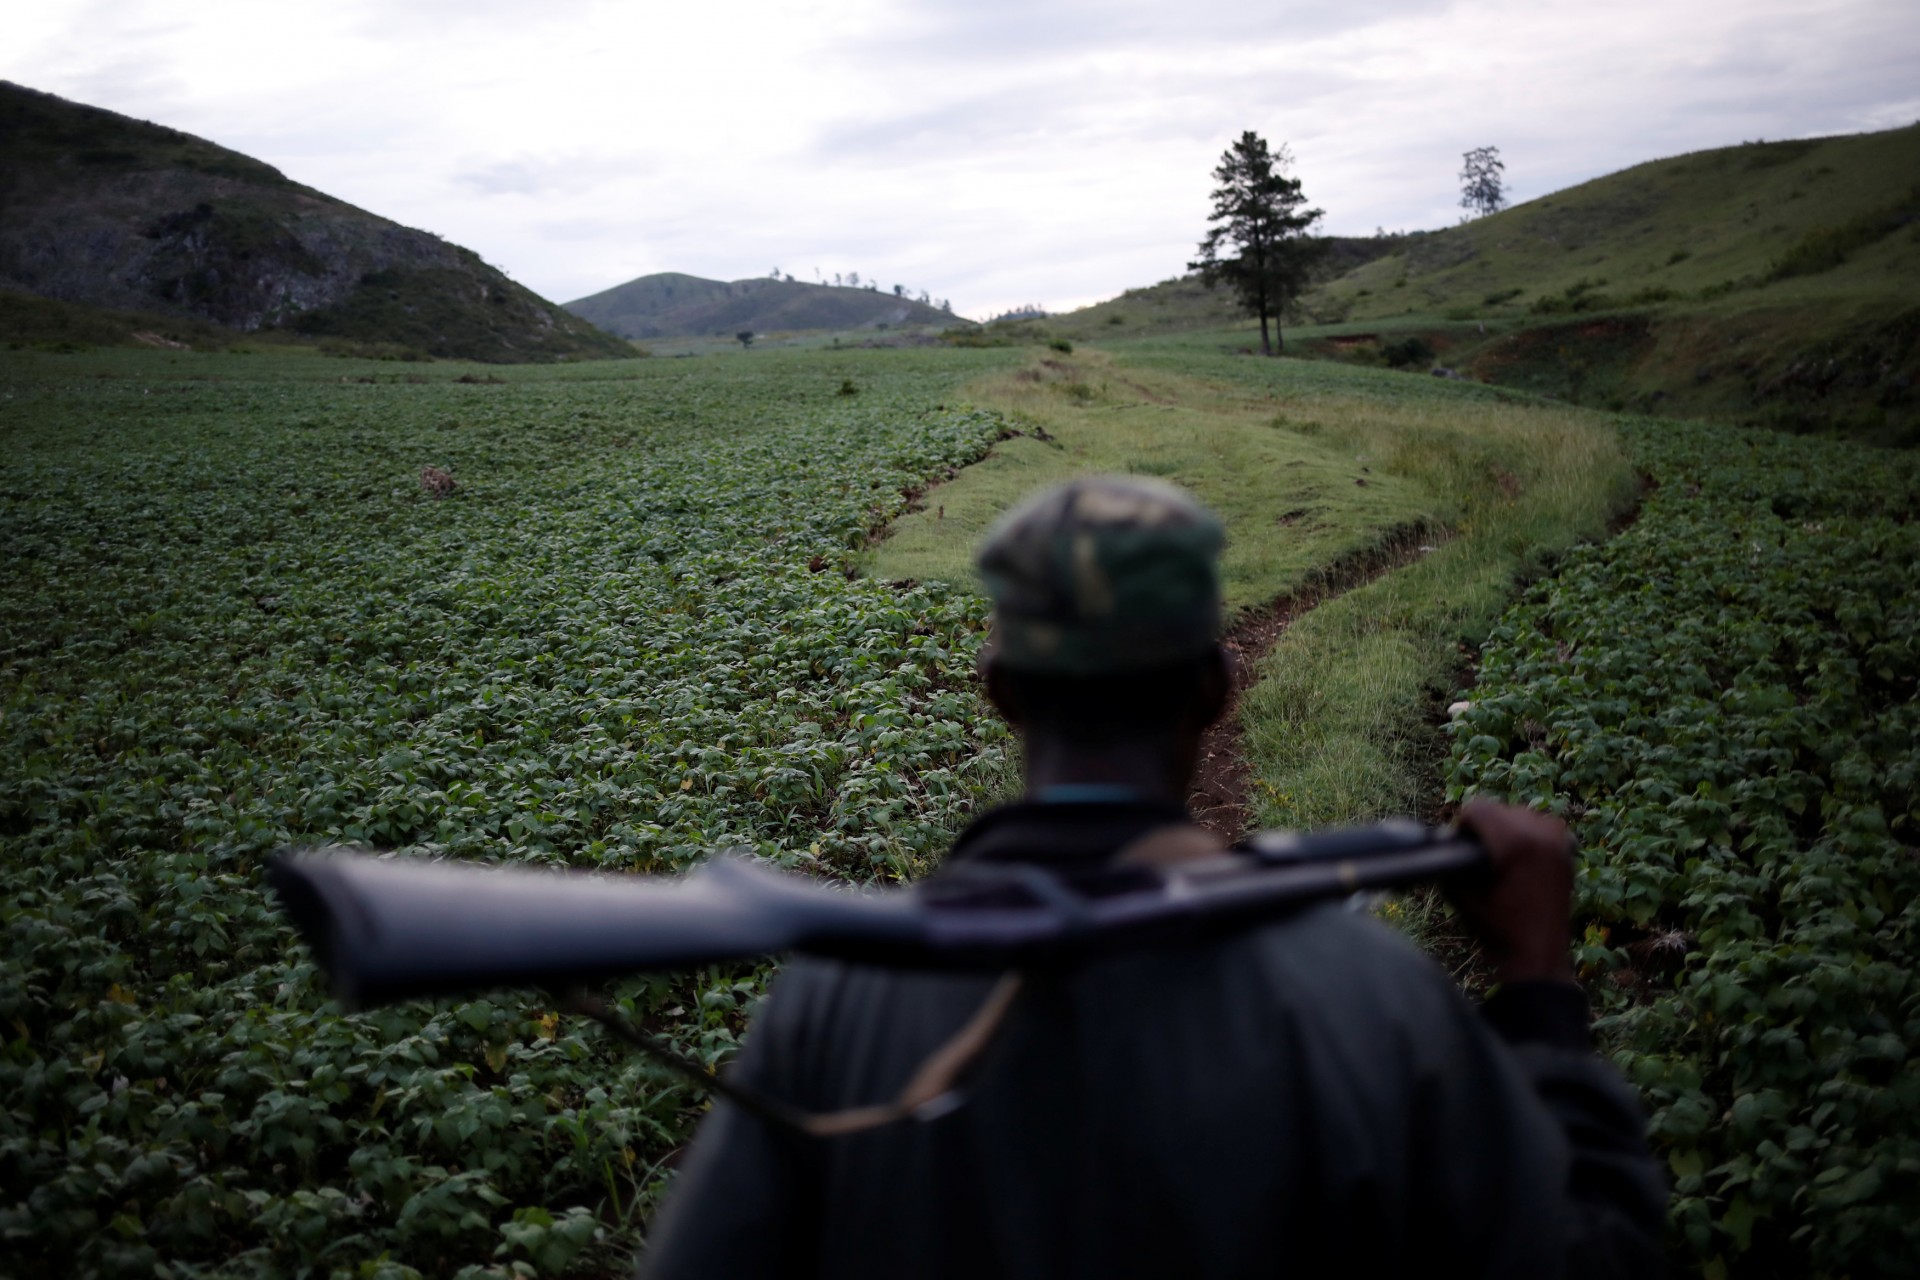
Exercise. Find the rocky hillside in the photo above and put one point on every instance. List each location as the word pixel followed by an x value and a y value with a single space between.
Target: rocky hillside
pixel 671 305
pixel 107 211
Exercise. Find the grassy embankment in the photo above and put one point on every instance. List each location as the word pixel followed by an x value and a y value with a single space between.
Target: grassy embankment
pixel 1312 466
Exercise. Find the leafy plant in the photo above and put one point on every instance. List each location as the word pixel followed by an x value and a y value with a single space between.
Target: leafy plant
pixel 234 620
pixel 1723 702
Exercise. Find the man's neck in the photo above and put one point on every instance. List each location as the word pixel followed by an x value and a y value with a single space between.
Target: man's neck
pixel 1118 771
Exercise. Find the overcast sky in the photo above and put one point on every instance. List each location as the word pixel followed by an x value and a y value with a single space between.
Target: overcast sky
pixel 991 151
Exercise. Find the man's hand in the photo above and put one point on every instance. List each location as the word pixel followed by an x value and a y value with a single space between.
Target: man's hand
pixel 1521 908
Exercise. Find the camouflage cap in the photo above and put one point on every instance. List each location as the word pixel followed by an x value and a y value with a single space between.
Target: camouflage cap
pixel 1103 574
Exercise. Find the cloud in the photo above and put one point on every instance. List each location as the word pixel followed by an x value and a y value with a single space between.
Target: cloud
pixel 985 150
pixel 988 37
pixel 1112 107
pixel 544 176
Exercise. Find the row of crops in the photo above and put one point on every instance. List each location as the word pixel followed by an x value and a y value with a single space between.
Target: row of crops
pixel 232 617
pixel 1723 701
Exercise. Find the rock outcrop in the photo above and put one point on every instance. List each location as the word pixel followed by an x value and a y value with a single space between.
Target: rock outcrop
pixel 107 211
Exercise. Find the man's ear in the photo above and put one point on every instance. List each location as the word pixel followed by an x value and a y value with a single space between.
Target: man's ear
pixel 1216 686
pixel 1001 692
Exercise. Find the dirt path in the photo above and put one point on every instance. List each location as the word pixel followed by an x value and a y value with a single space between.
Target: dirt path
pixel 1219 799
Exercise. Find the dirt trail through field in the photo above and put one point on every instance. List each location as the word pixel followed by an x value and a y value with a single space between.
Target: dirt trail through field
pixel 1218 799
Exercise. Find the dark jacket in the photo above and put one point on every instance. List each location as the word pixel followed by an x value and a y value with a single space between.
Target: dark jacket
pixel 1308 1097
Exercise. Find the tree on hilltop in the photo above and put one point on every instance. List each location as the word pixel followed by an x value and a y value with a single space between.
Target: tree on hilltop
pixel 1482 186
pixel 1259 221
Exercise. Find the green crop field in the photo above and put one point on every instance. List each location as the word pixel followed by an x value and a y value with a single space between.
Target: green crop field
pixel 671 606
pixel 1723 702
pixel 233 618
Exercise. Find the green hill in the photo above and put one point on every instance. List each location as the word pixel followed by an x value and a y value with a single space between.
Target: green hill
pixel 103 211
pixel 672 305
pixel 1739 227
pixel 1776 283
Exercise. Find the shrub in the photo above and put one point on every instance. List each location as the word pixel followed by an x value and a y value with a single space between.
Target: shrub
pixel 1407 352
pixel 1825 248
pixel 1582 295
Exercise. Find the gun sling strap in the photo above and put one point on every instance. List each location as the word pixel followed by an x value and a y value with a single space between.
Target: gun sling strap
pixel 938 1085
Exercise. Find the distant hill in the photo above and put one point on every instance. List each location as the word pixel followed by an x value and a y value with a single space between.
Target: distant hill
pixel 106 211
pixel 672 305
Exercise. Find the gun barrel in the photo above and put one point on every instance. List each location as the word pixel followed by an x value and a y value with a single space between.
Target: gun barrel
pixel 388 929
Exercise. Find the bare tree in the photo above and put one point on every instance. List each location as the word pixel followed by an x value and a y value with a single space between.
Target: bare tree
pixel 1482 186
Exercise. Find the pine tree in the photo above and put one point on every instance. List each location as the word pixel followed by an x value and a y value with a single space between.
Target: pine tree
pixel 1257 217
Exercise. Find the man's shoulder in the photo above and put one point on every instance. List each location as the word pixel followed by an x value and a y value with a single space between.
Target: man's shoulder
pixel 1321 958
pixel 1332 997
pixel 1333 963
